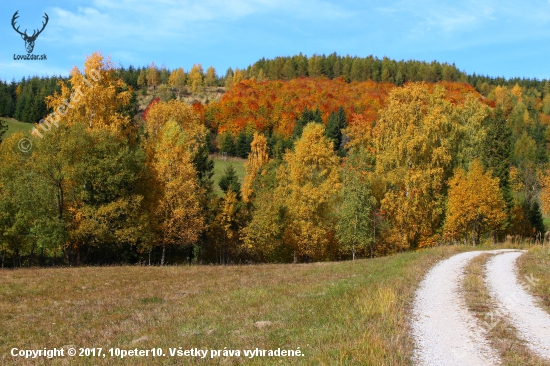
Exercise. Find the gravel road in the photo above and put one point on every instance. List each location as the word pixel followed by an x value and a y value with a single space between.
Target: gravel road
pixel 519 307
pixel 445 332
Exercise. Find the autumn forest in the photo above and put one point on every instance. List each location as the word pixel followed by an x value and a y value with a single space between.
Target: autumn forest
pixel 345 157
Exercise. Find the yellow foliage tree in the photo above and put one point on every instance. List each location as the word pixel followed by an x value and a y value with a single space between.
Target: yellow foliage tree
pixel 177 80
pixel 195 77
pixel 95 97
pixel 227 220
pixel 504 99
pixel 210 78
pixel 517 92
pixel 545 193
pixel 475 204
pixel 238 76
pixel 414 152
pixel 153 76
pixel 176 214
pixel 257 158
pixel 309 186
pixel 183 114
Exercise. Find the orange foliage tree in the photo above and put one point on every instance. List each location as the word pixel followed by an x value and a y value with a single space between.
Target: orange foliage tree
pixel 276 105
pixel 475 204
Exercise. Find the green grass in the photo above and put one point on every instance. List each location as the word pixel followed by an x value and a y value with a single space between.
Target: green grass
pixel 221 164
pixel 338 313
pixel 16 126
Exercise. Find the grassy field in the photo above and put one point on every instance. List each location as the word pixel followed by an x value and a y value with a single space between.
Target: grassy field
pixel 344 313
pixel 220 164
pixel 16 126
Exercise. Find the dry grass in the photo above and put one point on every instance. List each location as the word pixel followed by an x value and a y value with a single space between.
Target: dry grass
pixel 345 313
pixel 502 335
pixel 534 264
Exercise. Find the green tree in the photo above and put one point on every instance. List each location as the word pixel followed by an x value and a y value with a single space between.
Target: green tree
pixel 496 154
pixel 355 228
pixel 228 144
pixel 335 124
pixel 534 215
pixel 242 147
pixel 306 117
pixel 3 129
pixel 230 181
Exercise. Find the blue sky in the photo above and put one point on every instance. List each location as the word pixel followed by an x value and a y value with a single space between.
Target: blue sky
pixel 497 38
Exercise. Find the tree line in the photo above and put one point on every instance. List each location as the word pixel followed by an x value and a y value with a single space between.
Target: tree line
pixel 24 100
pixel 423 165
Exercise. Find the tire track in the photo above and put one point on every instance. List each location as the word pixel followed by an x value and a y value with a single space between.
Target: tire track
pixel 517 305
pixel 445 332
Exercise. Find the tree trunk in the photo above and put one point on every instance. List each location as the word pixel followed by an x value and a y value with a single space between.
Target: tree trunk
pixel 150 249
pixel 163 252
pixel 373 238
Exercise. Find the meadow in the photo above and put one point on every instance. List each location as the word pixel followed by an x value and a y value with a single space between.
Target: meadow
pixel 336 313
pixel 16 126
pixel 221 164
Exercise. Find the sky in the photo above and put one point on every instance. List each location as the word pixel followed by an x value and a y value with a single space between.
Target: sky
pixel 495 38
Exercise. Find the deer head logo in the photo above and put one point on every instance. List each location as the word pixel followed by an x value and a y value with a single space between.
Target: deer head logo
pixel 29 40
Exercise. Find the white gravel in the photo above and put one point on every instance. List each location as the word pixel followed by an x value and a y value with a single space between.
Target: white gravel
pixel 519 307
pixel 445 332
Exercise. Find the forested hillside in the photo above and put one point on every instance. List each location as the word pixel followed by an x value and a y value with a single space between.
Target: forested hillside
pixel 346 157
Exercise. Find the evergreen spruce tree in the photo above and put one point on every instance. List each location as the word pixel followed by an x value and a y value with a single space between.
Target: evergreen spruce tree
pixel 332 132
pixel 203 164
pixel 335 124
pixel 228 145
pixel 242 147
pixel 497 153
pixel 230 181
pixel 306 117
pixel 3 129
pixel 535 217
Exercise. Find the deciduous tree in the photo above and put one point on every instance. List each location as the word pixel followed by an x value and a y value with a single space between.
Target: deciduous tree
pixel 355 228
pixel 95 97
pixel 177 80
pixel 475 205
pixel 175 209
pixel 414 154
pixel 309 185
pixel 258 157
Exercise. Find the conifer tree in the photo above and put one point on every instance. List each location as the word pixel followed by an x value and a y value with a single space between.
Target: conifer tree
pixel 230 181
pixel 242 147
pixel 497 151
pixel 335 124
pixel 3 129
pixel 228 144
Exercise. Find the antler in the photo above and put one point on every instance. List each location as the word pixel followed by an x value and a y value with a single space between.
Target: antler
pixel 34 35
pixel 15 16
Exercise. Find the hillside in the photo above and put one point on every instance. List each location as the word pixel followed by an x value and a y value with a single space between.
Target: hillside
pixel 274 106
